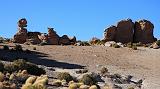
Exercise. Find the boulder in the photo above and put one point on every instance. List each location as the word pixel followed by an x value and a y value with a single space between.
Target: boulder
pixel 53 38
pixel 22 22
pixel 73 40
pixel 124 31
pixel 109 33
pixel 43 37
pixel 20 36
pixel 143 32
pixel 64 40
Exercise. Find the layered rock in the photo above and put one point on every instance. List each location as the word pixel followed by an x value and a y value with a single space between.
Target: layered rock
pixel 143 32
pixel 53 38
pixel 21 35
pixel 64 40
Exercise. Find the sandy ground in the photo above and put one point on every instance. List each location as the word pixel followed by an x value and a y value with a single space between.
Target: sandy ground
pixel 143 63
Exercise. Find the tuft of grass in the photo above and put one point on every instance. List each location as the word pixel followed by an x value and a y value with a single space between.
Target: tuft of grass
pixel 65 76
pixel 88 80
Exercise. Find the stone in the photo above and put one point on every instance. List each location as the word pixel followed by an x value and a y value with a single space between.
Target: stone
pixel 20 36
pixel 124 31
pixel 64 40
pixel 43 37
pixel 73 40
pixel 110 43
pixel 110 33
pixel 53 38
pixel 155 46
pixel 22 22
pixel 143 32
pixel 33 38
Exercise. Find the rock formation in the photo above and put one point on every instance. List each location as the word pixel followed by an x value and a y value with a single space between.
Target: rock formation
pixel 143 32
pixel 126 31
pixel 33 37
pixel 110 33
pixel 73 40
pixel 64 40
pixel 53 38
pixel 21 35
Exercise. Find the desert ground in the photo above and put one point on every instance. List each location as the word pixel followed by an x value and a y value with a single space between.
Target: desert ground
pixel 142 63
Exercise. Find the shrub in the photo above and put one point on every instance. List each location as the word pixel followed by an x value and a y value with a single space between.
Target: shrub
pixel 65 76
pixel 31 80
pixel 130 88
pixel 134 47
pixel 18 48
pixel 104 70
pixel 73 86
pixel 129 45
pixel 115 46
pixel 82 71
pixel 34 69
pixel 5 47
pixel 21 64
pixel 1 77
pixel 57 83
pixel 93 87
pixel 88 80
pixel 7 85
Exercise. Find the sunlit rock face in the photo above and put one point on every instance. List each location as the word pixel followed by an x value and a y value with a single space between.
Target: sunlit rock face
pixel 126 31
pixel 143 31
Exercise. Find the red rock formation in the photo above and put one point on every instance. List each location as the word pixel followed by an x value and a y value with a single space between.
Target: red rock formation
pixel 53 38
pixel 64 40
pixel 21 35
pixel 143 32
pixel 110 33
pixel 73 40
pixel 124 31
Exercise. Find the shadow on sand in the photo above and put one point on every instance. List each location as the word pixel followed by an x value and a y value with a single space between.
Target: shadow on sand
pixel 36 58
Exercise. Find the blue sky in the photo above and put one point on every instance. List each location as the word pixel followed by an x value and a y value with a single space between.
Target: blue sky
pixel 83 18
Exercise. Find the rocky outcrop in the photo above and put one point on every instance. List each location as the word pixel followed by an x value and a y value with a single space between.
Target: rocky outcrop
pixel 64 40
pixel 43 37
pixel 73 40
pixel 33 37
pixel 143 32
pixel 21 35
pixel 53 38
pixel 110 33
pixel 126 31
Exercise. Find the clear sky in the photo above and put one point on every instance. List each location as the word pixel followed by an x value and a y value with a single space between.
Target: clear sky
pixel 83 18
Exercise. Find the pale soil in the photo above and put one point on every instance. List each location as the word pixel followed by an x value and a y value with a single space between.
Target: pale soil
pixel 143 63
